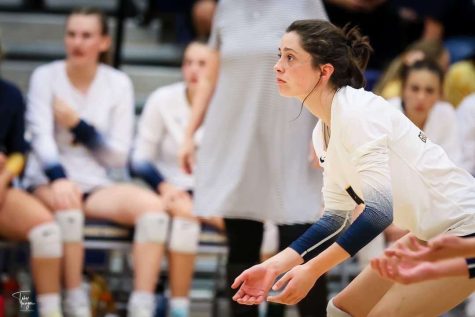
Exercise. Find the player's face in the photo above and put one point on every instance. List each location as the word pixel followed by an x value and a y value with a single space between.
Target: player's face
pixel 194 63
pixel 295 74
pixel 421 91
pixel 84 40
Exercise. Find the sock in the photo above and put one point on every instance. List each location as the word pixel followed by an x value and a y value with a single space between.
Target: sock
pixel 180 303
pixel 49 303
pixel 143 299
pixel 77 295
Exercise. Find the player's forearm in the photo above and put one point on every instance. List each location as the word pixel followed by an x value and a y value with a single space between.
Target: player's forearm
pixel 284 260
pixel 199 108
pixel 204 92
pixel 328 259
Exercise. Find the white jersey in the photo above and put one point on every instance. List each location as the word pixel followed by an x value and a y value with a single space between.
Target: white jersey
pixel 374 149
pixel 466 119
pixel 108 106
pixel 441 128
pixel 161 132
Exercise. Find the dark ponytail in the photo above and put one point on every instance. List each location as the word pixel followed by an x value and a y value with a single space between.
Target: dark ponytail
pixel 346 49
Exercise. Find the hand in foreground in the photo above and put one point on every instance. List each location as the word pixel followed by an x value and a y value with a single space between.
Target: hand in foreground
pixel 414 249
pixel 298 282
pixel 448 246
pixel 439 248
pixel 67 194
pixel 404 271
pixel 254 284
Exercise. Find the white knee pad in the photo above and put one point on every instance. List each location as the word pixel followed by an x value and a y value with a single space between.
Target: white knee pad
pixel 45 241
pixel 71 223
pixel 152 227
pixel 184 236
pixel 333 311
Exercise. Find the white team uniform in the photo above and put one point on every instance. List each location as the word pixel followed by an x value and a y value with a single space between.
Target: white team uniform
pixel 466 120
pixel 161 132
pixel 107 105
pixel 441 128
pixel 374 149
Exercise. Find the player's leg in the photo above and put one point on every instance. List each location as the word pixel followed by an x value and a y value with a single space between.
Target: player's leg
pixel 430 298
pixel 133 205
pixel 22 217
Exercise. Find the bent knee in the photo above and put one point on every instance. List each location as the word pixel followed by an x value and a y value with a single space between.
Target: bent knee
pixel 152 227
pixel 45 240
pixel 184 235
pixel 334 311
pixel 71 223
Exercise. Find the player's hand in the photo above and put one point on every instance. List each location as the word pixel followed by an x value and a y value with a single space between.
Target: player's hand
pixel 404 271
pixel 67 194
pixel 297 283
pixel 439 248
pixel 254 284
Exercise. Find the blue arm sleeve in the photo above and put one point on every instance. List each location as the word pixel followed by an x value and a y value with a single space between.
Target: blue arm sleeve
pixel 55 172
pixel 86 134
pixel 366 227
pixel 111 150
pixel 322 234
pixel 147 172
pixel 376 217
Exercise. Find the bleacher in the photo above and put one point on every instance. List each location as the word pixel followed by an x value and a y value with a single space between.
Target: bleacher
pixel 31 38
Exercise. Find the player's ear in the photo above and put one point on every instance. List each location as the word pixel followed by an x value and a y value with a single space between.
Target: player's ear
pixel 326 70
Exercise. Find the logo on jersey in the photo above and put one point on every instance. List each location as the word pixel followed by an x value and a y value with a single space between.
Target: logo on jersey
pixel 422 136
